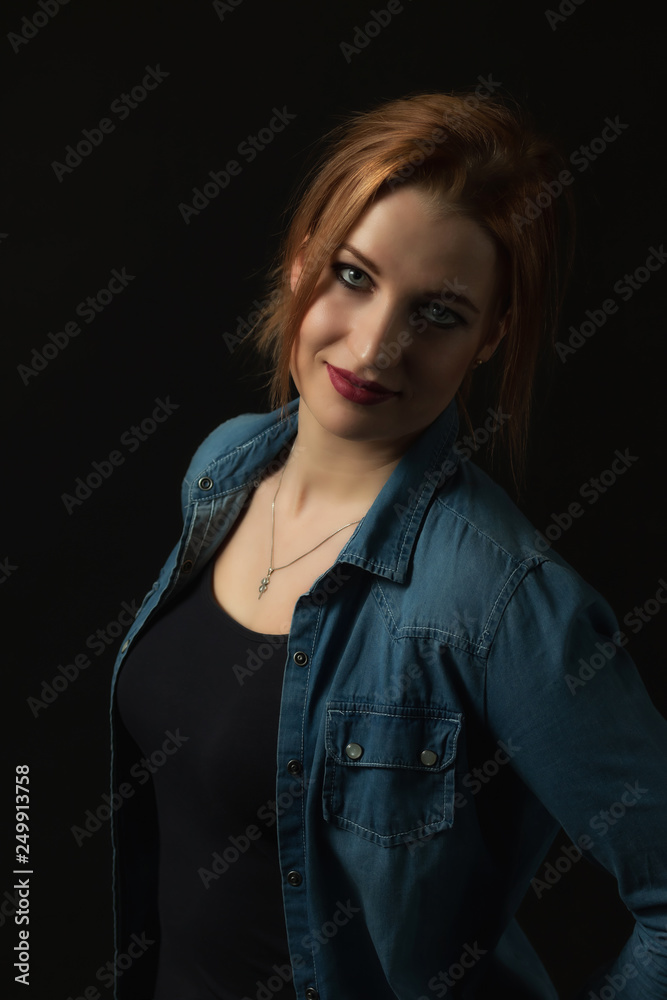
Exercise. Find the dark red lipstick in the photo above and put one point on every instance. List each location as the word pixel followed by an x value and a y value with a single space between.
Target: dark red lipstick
pixel 358 390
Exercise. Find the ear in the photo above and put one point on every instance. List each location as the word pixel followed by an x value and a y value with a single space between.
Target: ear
pixel 297 266
pixel 491 345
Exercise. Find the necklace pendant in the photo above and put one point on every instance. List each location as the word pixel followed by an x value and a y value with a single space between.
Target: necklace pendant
pixel 265 582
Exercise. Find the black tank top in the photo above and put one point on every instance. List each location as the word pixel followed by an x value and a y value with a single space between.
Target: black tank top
pixel 200 694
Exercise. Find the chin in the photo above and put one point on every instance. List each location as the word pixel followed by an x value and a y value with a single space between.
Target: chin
pixel 352 422
pixel 352 426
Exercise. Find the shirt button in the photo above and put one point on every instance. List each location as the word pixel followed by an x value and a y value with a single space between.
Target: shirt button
pixel 205 483
pixel 294 766
pixel 428 758
pixel 301 659
pixel 354 751
pixel 187 566
pixel 312 994
pixel 294 878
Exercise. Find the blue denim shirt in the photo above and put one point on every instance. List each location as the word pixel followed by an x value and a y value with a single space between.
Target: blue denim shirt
pixel 452 695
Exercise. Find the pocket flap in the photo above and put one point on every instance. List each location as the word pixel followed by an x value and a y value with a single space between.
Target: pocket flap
pixel 391 736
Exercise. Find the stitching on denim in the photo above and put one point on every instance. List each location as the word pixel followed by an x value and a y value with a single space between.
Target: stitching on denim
pixel 357 708
pixel 234 454
pixel 427 631
pixel 508 581
pixel 316 630
pixel 527 562
pixel 418 712
pixel 416 507
pixel 452 719
pixel 443 823
pixel 205 525
pixel 391 836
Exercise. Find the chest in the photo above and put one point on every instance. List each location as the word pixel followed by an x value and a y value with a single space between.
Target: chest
pixel 243 559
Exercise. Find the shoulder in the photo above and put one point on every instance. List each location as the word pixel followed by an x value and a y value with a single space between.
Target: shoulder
pixel 483 513
pixel 488 521
pixel 479 555
pixel 237 452
pixel 230 436
pixel 243 441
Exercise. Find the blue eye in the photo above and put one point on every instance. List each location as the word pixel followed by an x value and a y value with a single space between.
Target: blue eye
pixel 354 278
pixel 438 313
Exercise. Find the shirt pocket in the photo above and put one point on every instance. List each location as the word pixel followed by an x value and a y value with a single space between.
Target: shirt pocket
pixel 389 770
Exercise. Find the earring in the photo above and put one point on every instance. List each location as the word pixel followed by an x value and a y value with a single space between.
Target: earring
pixel 478 362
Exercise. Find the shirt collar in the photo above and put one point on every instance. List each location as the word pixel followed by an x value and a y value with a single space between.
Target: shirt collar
pixel 384 540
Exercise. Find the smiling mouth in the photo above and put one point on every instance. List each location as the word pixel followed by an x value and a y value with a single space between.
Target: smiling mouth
pixel 363 383
pixel 358 390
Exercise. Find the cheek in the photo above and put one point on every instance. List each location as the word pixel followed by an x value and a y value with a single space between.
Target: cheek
pixel 443 362
pixel 324 323
pixel 296 359
pixel 437 374
pixel 305 350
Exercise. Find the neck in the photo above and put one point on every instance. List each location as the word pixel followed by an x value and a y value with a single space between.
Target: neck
pixel 324 471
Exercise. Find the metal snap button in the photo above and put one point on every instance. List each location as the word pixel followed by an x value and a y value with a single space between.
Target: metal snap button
pixel 187 566
pixel 312 994
pixel 428 758
pixel 294 766
pixel 300 658
pixel 205 483
pixel 294 878
pixel 354 751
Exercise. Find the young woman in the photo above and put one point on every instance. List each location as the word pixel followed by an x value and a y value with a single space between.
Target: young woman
pixel 346 731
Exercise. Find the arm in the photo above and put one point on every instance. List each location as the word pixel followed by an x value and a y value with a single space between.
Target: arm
pixel 594 751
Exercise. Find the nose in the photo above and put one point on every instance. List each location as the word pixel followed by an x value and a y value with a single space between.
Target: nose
pixel 379 336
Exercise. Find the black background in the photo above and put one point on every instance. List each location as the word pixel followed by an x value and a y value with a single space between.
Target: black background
pixel 67 574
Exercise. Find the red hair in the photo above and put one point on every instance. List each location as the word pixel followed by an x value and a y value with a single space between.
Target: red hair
pixel 482 158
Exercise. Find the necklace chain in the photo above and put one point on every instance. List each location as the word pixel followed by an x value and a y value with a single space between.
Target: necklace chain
pixel 274 569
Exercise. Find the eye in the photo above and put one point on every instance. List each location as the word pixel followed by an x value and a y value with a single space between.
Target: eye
pixel 439 313
pixel 351 276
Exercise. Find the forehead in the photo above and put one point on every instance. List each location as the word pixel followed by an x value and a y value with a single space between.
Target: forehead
pixel 416 240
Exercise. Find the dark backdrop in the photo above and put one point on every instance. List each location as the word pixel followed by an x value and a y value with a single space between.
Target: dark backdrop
pixel 168 333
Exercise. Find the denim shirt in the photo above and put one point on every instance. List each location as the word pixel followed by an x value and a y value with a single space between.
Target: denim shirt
pixel 452 696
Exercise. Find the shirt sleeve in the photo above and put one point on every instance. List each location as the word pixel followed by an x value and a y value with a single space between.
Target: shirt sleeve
pixel 593 750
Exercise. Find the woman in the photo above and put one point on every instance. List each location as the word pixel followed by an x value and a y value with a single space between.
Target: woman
pixel 350 681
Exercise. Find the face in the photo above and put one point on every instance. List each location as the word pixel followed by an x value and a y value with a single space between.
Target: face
pixel 399 316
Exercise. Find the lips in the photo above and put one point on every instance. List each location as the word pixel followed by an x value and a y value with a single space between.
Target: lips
pixel 358 390
pixel 362 382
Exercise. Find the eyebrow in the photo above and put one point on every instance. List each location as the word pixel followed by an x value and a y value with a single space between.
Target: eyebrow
pixel 446 294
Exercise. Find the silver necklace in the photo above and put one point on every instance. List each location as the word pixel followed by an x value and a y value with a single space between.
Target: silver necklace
pixel 274 569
